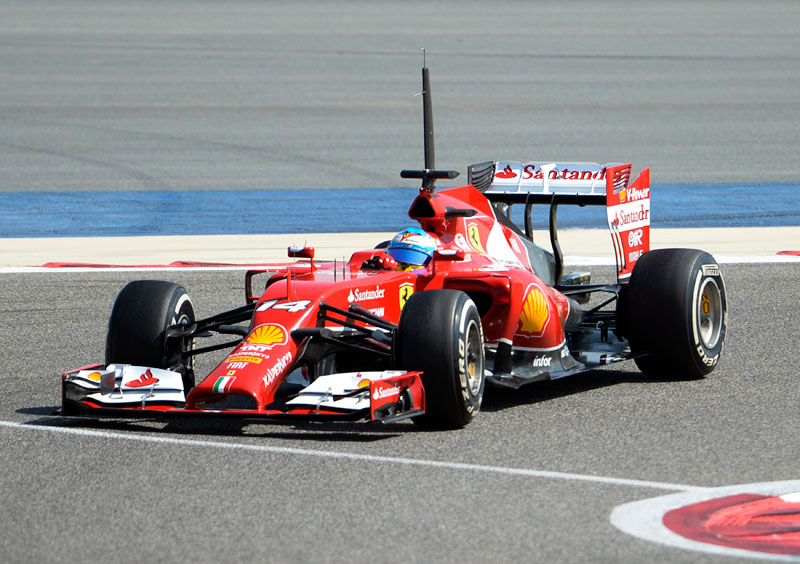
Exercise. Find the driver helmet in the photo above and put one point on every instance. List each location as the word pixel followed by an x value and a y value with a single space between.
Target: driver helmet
pixel 412 246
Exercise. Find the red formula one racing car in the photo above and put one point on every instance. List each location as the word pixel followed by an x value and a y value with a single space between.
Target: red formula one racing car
pixel 416 327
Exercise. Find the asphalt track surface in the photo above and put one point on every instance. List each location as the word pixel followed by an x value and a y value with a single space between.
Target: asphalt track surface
pixel 174 95
pixel 116 491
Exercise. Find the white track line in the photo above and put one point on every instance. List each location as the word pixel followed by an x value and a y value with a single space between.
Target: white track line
pixel 353 456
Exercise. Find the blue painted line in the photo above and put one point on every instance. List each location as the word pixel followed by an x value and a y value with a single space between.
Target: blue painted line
pixel 217 212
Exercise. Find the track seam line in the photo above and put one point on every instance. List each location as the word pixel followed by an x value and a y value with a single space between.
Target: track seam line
pixel 571 261
pixel 358 457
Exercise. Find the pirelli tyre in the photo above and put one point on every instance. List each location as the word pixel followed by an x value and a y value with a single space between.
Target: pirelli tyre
pixel 136 329
pixel 676 313
pixel 440 334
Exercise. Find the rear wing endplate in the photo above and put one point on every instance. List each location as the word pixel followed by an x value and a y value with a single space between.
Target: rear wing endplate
pixel 584 184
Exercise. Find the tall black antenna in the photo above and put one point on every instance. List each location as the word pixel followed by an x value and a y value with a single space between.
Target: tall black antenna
pixel 430 174
pixel 427 117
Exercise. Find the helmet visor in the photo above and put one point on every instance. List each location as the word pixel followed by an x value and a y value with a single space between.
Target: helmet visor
pixel 409 256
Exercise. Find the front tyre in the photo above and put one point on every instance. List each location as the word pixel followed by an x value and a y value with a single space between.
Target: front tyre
pixel 137 326
pixel 677 315
pixel 440 334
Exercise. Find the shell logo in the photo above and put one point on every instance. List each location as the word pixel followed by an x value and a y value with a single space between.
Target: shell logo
pixel 623 194
pixel 96 376
pixel 535 312
pixel 268 334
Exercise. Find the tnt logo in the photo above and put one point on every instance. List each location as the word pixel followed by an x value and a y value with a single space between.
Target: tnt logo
pixel 634 238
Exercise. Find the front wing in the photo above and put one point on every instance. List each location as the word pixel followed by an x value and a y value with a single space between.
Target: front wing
pixel 125 390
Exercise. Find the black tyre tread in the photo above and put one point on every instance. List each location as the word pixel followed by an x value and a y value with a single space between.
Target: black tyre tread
pixel 660 288
pixel 427 342
pixel 141 313
pixel 653 367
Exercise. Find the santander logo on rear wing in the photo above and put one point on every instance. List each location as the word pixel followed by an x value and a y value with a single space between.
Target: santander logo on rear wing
pixel 627 204
pixel 545 178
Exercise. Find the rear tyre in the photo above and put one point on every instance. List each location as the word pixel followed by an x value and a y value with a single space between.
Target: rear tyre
pixel 676 309
pixel 440 334
pixel 136 329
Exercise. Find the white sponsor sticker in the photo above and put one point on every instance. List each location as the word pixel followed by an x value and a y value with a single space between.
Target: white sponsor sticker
pixel 357 295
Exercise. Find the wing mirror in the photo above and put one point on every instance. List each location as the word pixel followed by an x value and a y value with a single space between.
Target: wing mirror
pixel 451 255
pixel 301 252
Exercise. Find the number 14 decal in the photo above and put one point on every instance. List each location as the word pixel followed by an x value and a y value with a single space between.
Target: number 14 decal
pixel 292 307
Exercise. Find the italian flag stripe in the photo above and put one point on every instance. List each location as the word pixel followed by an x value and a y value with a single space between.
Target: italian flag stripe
pixel 223 384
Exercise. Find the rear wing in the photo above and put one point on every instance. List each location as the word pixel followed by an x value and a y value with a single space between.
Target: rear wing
pixel 549 178
pixel 583 184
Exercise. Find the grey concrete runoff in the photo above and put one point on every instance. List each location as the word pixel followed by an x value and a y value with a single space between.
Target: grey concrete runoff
pixel 314 94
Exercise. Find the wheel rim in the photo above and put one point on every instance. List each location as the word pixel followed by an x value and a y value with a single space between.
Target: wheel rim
pixel 474 358
pixel 187 344
pixel 709 313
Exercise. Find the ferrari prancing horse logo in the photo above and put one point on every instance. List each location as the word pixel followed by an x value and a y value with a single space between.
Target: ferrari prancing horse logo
pixel 474 237
pixel 405 291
